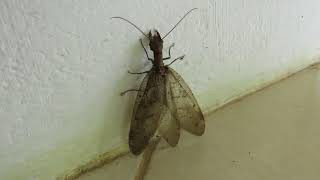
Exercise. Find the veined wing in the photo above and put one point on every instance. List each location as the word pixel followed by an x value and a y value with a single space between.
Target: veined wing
pixel 169 127
pixel 183 104
pixel 146 112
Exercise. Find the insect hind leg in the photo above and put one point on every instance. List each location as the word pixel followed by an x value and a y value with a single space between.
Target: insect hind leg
pixel 135 90
pixel 144 72
pixel 129 90
pixel 178 58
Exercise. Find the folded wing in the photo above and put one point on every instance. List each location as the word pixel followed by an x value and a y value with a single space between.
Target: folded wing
pixel 183 104
pixel 169 128
pixel 146 112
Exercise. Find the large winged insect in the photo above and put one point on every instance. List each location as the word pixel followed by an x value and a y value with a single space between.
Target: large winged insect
pixel 164 103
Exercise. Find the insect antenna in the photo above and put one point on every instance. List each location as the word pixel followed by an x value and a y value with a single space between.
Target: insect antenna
pixel 131 24
pixel 178 22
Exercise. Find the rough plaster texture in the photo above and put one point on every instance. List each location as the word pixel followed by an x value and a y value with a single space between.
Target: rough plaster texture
pixel 63 64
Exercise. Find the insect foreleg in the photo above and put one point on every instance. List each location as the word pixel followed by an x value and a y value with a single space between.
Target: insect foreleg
pixel 150 59
pixel 171 46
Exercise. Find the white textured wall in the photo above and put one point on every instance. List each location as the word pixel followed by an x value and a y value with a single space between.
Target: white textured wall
pixel 63 64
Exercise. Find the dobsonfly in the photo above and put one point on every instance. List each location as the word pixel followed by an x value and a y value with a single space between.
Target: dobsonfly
pixel 164 103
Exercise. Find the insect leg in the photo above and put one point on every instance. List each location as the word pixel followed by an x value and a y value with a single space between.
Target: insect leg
pixel 169 52
pixel 144 72
pixel 178 58
pixel 129 90
pixel 150 59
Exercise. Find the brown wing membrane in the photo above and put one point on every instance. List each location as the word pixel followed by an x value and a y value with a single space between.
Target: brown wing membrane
pixel 183 104
pixel 169 128
pixel 146 112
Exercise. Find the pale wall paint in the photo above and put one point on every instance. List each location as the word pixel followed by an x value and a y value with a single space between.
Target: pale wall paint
pixel 63 64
